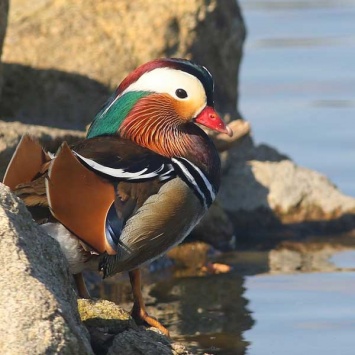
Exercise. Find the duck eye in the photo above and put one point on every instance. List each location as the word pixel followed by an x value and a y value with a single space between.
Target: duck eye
pixel 181 93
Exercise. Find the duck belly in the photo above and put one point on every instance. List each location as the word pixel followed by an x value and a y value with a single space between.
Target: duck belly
pixel 77 257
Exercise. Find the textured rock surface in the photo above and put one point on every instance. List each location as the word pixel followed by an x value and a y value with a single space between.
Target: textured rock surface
pixel 74 67
pixel 104 314
pixel 216 229
pixel 4 8
pixel 145 342
pixel 113 331
pixel 38 307
pixel 297 194
pixel 262 189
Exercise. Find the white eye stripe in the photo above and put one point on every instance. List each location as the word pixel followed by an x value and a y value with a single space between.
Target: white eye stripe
pixel 168 81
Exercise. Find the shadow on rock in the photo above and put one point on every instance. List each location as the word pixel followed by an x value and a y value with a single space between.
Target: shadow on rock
pixel 269 198
pixel 50 97
pixel 222 52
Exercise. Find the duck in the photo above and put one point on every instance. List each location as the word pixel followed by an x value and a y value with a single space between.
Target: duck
pixel 140 181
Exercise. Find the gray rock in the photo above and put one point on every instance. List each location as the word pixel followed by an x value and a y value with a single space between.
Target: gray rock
pixel 263 191
pixel 134 342
pixel 297 193
pixel 38 307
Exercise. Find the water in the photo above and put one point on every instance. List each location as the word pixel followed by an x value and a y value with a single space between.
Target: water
pixel 255 310
pixel 302 314
pixel 298 82
pixel 297 90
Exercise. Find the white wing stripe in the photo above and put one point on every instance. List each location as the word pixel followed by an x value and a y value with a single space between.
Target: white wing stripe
pixel 118 173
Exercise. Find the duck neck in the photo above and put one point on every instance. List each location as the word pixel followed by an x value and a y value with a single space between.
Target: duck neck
pixel 156 126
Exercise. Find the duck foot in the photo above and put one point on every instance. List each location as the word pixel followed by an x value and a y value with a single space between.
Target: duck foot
pixel 139 313
pixel 81 286
pixel 142 317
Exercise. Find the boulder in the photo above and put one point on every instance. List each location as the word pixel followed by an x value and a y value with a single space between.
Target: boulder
pixel 147 342
pixel 4 9
pixel 113 331
pixel 39 306
pixel 63 57
pixel 265 194
pixel 38 303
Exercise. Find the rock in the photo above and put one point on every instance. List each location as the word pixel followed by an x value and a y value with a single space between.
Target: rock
pixel 215 229
pixel 38 303
pixel 104 320
pixel 50 138
pixel 263 191
pixel 223 142
pixel 105 315
pixel 133 342
pixel 62 72
pixel 4 8
pixel 113 331
pixel 297 194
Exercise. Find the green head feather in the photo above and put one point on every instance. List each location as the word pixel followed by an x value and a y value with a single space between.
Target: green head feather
pixel 110 118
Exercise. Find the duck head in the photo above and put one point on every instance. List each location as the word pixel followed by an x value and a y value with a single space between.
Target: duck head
pixel 159 102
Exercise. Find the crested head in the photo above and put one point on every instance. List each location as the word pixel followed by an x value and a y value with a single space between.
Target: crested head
pixel 172 65
pixel 158 103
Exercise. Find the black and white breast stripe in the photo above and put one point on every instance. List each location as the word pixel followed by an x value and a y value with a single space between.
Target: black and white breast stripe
pixel 196 179
pixel 163 169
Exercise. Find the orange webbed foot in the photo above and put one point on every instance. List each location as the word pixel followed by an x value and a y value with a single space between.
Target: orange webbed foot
pixel 141 317
pixel 138 313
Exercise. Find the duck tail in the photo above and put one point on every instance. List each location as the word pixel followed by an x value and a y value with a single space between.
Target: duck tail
pixel 26 163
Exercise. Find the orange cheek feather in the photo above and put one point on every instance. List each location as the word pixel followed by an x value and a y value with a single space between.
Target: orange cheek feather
pixel 185 110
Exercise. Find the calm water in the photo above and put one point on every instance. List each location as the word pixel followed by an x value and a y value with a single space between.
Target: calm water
pixel 302 314
pixel 253 310
pixel 298 92
pixel 298 82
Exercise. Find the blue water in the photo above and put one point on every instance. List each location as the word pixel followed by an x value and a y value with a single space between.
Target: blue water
pixel 301 314
pixel 298 92
pixel 297 83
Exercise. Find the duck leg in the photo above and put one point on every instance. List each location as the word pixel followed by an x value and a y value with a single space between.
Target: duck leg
pixel 81 287
pixel 139 312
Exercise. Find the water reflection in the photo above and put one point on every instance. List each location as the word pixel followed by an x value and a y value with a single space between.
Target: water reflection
pixel 261 307
pixel 207 314
pixel 211 311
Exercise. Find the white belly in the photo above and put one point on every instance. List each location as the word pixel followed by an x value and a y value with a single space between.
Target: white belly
pixel 70 246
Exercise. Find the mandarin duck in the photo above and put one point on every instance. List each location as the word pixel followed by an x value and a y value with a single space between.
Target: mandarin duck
pixel 138 184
